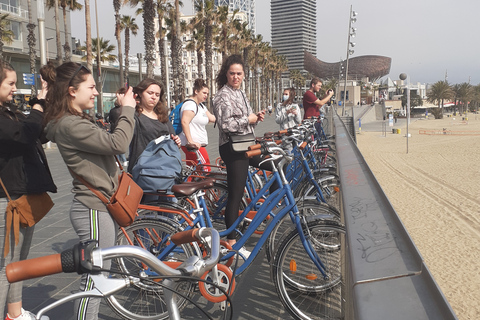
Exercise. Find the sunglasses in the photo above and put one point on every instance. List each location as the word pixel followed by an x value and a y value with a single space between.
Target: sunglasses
pixel 76 72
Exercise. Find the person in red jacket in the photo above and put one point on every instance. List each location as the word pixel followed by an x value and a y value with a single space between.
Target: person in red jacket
pixel 311 104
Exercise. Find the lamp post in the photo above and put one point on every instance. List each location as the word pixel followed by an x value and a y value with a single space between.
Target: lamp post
pixel 166 71
pixel 404 76
pixel 41 31
pixel 340 75
pixel 351 34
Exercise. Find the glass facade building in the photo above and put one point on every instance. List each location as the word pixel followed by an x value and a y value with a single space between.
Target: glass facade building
pixel 294 29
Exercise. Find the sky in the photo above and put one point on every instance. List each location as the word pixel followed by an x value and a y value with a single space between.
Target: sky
pixel 426 39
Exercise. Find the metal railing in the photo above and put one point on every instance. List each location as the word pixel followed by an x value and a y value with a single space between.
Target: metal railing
pixel 386 275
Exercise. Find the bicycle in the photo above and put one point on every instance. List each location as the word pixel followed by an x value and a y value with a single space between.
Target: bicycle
pixel 327 275
pixel 85 257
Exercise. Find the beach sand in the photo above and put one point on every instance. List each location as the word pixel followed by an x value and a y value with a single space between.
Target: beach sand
pixel 435 190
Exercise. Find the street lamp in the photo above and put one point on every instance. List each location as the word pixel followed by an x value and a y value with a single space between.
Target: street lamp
pixel 41 31
pixel 350 44
pixel 404 76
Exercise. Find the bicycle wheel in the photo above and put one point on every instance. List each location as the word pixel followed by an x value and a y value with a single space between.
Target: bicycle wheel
pixel 329 186
pixel 303 290
pixel 144 299
pixel 285 226
pixel 216 200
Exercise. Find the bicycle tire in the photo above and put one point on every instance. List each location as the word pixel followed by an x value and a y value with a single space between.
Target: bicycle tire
pixel 285 225
pixel 216 198
pixel 329 185
pixel 303 291
pixel 143 299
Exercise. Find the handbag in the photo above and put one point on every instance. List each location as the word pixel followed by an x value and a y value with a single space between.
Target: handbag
pixel 241 142
pixel 26 211
pixel 123 204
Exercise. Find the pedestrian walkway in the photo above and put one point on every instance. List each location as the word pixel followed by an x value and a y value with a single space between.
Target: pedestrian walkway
pixel 254 297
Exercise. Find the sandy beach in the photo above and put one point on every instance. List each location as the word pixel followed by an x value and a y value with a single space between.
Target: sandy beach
pixel 435 189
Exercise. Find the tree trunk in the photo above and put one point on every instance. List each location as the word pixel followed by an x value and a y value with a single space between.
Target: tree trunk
pixel 178 55
pixel 208 57
pixel 88 27
pixel 31 44
pixel 118 35
pixel 161 49
pixel 66 46
pixel 199 63
pixel 247 73
pixel 148 15
pixel 127 49
pixel 57 29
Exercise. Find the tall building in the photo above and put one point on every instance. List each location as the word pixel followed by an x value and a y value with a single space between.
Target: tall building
pixel 294 29
pixel 246 6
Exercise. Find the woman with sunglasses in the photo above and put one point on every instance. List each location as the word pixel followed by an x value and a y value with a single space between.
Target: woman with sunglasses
pixel 89 152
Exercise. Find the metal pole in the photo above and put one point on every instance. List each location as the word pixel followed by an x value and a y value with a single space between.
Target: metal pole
pixel 99 67
pixel 348 55
pixel 167 75
pixel 408 107
pixel 139 56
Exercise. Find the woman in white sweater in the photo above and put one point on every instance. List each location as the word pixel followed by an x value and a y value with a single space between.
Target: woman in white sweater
pixel 287 113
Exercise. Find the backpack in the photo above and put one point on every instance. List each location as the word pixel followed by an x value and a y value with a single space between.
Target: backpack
pixel 175 116
pixel 159 166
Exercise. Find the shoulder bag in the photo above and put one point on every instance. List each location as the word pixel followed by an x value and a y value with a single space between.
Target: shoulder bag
pixel 26 211
pixel 123 205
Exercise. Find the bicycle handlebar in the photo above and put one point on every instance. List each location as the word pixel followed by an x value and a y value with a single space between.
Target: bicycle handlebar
pixel 186 236
pixel 85 257
pixel 252 153
pixel 34 268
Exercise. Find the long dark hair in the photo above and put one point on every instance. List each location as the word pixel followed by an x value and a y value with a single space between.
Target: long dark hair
pixel 161 108
pixel 59 80
pixel 291 96
pixel 221 79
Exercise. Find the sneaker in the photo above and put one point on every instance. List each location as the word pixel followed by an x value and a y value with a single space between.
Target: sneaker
pixel 244 253
pixel 26 315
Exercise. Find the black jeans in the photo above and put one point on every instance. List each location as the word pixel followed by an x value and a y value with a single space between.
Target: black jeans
pixel 237 171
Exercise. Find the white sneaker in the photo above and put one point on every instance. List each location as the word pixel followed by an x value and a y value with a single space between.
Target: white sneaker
pixel 244 253
pixel 26 315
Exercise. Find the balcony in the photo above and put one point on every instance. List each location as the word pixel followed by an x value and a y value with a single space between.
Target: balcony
pixel 15 13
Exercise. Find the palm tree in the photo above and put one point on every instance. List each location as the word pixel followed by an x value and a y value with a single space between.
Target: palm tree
pixel 31 43
pixel 104 52
pixel 72 5
pixel 6 34
pixel 206 15
pixel 465 94
pixel 439 92
pixel 54 4
pixel 162 8
pixel 197 44
pixel 148 14
pixel 88 28
pixel 256 45
pixel 178 70
pixel 297 78
pixel 129 25
pixel 118 34
pixel 223 29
